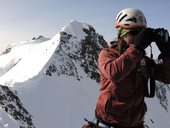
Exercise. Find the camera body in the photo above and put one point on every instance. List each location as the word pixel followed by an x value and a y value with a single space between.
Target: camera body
pixel 160 35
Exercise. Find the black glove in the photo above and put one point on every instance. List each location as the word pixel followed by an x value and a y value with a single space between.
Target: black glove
pixel 144 39
pixel 164 49
pixel 162 44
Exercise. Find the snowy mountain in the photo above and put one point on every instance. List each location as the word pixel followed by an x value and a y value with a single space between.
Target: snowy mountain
pixel 54 83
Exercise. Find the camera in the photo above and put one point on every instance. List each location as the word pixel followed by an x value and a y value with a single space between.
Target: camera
pixel 160 35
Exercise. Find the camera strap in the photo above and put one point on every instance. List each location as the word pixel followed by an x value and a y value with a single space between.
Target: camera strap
pixel 150 93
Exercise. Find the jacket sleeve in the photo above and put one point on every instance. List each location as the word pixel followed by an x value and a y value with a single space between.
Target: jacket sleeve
pixel 162 71
pixel 116 69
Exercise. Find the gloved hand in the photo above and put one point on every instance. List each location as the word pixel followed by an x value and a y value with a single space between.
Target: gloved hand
pixel 164 49
pixel 144 39
pixel 162 44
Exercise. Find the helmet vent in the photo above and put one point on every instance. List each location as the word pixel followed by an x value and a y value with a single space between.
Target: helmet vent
pixel 127 24
pixel 132 19
pixel 119 16
pixel 122 17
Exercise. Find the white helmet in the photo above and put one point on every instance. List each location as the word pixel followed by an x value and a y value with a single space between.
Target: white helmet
pixel 130 18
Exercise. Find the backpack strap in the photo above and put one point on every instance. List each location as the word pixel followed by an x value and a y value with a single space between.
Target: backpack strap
pixel 152 85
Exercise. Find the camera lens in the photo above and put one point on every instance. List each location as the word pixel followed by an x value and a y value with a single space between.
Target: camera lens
pixel 161 35
pixel 166 36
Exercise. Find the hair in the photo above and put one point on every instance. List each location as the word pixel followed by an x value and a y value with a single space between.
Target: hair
pixel 119 44
pixel 122 45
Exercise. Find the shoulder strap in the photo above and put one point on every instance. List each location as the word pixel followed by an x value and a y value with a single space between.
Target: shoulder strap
pixel 152 80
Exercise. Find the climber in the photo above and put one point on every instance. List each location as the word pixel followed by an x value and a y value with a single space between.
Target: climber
pixel 125 70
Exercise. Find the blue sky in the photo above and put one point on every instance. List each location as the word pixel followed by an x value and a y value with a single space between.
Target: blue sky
pixel 23 19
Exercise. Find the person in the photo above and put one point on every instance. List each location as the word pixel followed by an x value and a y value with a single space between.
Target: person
pixel 125 70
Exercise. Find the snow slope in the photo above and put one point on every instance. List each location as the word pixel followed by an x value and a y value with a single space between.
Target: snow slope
pixel 60 102
pixel 20 56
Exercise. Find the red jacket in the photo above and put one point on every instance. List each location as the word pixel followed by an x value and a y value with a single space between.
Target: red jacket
pixel 122 92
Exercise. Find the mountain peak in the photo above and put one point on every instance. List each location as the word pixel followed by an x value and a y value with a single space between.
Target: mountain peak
pixel 78 48
pixel 75 28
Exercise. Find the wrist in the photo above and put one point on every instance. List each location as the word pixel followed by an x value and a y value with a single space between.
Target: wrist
pixel 140 49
